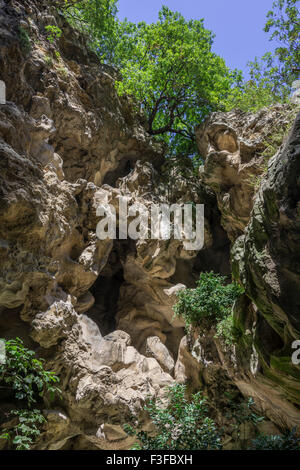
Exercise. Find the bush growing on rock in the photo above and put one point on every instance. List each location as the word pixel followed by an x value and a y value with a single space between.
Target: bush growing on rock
pixel 209 303
pixel 53 33
pixel 25 42
pixel 182 425
pixel 24 376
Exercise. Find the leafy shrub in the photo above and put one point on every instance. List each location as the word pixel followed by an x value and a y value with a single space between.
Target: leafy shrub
pixel 274 141
pixel 26 378
pixel 54 32
pixel 25 41
pixel 63 72
pixel 226 330
pixel 210 302
pixel 288 441
pixel 48 60
pixel 25 374
pixel 182 425
pixel 250 96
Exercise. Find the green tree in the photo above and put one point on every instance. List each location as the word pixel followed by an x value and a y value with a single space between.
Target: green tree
pixel 252 95
pixel 168 67
pixel 182 425
pixel 284 25
pixel 271 76
pixel 25 375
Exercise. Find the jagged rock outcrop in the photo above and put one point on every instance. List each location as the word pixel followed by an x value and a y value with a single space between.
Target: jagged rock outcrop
pixel 266 260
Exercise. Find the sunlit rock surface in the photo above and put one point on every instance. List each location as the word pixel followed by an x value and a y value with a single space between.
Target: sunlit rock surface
pixel 100 312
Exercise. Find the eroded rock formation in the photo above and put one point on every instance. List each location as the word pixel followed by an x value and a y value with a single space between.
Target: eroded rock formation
pixel 264 260
pixel 101 312
pixel 236 147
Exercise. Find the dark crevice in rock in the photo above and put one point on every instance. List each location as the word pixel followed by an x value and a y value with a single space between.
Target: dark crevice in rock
pixel 215 258
pixel 106 289
pixel 269 341
pixel 106 292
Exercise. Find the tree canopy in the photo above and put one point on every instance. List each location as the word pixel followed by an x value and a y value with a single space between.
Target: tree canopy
pixel 167 67
pixel 276 71
pixel 173 76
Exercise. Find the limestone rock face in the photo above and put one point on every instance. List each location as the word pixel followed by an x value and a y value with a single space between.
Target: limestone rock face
pixel 64 130
pixel 266 259
pixel 149 267
pixel 53 325
pixel 296 92
pixel 236 147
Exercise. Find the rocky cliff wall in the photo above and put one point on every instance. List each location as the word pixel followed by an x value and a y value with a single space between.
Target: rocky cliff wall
pixel 251 163
pixel 100 312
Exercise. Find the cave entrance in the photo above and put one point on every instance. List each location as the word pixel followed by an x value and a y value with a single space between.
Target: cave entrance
pixel 106 291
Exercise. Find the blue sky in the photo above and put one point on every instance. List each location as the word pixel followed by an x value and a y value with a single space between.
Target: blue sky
pixel 237 24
